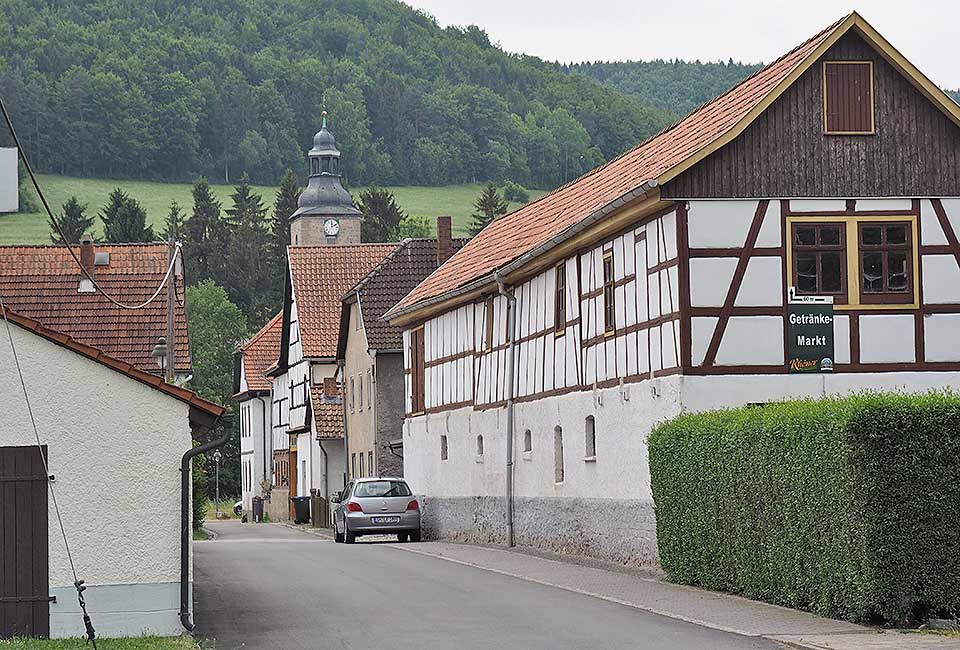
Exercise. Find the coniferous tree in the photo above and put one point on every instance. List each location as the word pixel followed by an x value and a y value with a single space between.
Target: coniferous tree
pixel 284 206
pixel 174 221
pixel 381 215
pixel 205 236
pixel 489 206
pixel 73 221
pixel 249 280
pixel 125 220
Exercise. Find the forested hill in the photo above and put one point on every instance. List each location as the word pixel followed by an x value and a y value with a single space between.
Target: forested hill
pixel 677 87
pixel 955 94
pixel 168 89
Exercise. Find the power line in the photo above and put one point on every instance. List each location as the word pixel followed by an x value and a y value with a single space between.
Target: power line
pixel 63 236
pixel 77 582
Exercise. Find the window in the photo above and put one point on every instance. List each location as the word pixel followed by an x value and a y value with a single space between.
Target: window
pixel 443 447
pixel 360 397
pixel 488 321
pixel 560 300
pixel 558 455
pixel 885 262
pixel 819 259
pixel 314 165
pixel 353 465
pixel 848 98
pixel 369 388
pixel 480 445
pixel 590 439
pixel 417 371
pixel 609 308
pixel 352 393
pixel 370 463
pixel 362 473
pixel 382 489
pixel 527 441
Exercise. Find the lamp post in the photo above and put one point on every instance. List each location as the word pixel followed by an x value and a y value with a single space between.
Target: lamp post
pixel 216 461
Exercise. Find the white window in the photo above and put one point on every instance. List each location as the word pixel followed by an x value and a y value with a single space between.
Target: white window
pixel 590 439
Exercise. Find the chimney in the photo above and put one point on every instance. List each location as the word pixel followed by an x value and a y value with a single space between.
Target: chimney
pixel 444 240
pixel 330 391
pixel 88 262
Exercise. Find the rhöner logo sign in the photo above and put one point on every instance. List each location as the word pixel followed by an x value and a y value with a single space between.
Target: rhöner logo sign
pixel 809 333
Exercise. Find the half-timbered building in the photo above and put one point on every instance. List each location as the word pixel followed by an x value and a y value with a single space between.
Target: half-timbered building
pixel 659 283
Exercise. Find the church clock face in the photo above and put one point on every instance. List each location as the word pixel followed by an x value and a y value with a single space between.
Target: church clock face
pixel 331 227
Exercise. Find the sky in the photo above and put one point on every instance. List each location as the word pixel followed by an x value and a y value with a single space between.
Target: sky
pixel 925 31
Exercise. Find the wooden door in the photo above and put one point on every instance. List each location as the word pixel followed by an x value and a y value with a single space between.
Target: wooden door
pixel 24 584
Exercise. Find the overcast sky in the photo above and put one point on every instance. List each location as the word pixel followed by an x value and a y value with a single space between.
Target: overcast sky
pixel 925 31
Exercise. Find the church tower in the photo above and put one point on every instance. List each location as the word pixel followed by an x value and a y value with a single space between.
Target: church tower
pixel 326 214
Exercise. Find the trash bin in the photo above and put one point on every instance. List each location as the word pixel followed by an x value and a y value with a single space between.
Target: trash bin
pixel 257 509
pixel 301 510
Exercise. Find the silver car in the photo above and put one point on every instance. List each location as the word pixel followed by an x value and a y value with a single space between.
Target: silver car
pixel 376 506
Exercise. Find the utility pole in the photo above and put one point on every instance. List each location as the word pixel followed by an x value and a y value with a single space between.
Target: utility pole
pixel 171 301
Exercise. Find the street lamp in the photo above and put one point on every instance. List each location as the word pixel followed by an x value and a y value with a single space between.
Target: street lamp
pixel 159 354
pixel 216 460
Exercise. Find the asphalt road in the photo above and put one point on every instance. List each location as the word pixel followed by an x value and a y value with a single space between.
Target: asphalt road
pixel 266 586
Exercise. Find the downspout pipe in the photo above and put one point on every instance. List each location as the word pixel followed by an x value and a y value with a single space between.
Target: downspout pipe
pixel 511 363
pixel 341 367
pixel 226 424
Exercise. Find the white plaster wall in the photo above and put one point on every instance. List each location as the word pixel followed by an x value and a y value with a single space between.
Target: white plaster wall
pixel 952 208
pixel 762 284
pixel 710 279
pixel 887 338
pixel 720 224
pixel 818 205
pixel 841 338
pixel 941 337
pixel 115 447
pixel 931 232
pixel 867 205
pixel 280 413
pixel 752 340
pixel 9 180
pixel 624 416
pixel 941 279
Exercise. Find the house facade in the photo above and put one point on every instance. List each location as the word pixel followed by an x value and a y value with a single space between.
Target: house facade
pixel 659 283
pixel 94 416
pixel 370 353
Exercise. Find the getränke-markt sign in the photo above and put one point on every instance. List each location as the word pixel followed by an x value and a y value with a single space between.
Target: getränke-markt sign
pixel 809 333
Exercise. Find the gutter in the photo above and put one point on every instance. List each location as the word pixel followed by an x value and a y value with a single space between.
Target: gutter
pixel 524 259
pixel 511 359
pixel 226 423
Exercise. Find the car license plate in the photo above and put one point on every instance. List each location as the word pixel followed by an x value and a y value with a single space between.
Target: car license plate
pixel 385 520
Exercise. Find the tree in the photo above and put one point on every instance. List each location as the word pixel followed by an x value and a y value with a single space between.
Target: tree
pixel 283 207
pixel 125 220
pixel 250 278
pixel 205 237
pixel 73 221
pixel 413 226
pixel 489 206
pixel 27 197
pixel 381 215
pixel 174 221
pixel 217 326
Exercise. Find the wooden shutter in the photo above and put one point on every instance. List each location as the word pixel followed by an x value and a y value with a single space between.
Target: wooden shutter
pixel 417 372
pixel 848 98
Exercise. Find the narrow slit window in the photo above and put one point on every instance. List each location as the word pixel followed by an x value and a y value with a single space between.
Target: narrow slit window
pixel 560 299
pixel 443 447
pixel 527 441
pixel 558 455
pixel 488 319
pixel 590 439
pixel 609 294
pixel 848 101
pixel 417 372
pixel 480 445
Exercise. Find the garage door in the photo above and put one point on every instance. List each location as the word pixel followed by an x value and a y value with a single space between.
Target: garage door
pixel 24 589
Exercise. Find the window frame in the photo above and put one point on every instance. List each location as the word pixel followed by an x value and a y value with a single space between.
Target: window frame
pixel 841 297
pixel 609 293
pixel 489 308
pixel 873 97
pixel 852 256
pixel 418 372
pixel 885 297
pixel 560 299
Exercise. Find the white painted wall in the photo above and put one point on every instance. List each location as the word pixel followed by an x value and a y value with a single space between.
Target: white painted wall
pixel 256 451
pixel 115 447
pixel 9 180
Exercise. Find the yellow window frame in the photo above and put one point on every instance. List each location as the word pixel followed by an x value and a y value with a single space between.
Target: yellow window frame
pixel 852 236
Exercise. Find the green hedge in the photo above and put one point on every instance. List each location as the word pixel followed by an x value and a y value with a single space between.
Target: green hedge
pixel 846 507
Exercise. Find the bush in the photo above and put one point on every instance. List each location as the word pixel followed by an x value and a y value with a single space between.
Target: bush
pixel 846 507
pixel 515 192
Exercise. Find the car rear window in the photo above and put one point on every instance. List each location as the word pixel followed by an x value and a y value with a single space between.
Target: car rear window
pixel 381 489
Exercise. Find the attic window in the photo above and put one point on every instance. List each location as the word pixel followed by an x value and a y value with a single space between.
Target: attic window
pixel 848 102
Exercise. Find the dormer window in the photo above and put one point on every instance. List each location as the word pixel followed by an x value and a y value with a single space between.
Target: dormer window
pixel 848 98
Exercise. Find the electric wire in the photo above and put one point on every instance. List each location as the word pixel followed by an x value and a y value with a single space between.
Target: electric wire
pixel 63 237
pixel 46 470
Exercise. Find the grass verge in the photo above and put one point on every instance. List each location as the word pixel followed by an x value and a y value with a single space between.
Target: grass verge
pixel 141 643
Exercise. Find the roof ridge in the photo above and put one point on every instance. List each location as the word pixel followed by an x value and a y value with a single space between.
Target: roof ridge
pixel 362 282
pixel 261 332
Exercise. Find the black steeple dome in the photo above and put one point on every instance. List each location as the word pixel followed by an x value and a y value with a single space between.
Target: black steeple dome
pixel 324 194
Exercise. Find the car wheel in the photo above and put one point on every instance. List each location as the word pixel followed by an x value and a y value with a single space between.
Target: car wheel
pixel 402 537
pixel 348 537
pixel 337 536
pixel 415 535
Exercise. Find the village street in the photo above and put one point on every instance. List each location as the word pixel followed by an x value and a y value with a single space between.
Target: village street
pixel 267 586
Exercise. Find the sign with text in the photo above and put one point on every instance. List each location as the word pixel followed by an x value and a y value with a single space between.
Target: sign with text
pixel 809 333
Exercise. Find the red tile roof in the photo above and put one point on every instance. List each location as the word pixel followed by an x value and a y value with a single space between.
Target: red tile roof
pixel 177 392
pixel 41 282
pixel 321 275
pixel 327 414
pixel 261 352
pixel 536 223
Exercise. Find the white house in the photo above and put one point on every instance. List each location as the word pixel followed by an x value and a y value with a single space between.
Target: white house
pixel 659 283
pixel 9 180
pixel 113 437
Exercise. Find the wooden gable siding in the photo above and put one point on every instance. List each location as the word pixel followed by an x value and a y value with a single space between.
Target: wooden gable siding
pixel 785 153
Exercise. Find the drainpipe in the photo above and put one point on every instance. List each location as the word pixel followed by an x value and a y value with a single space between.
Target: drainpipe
pixel 185 475
pixel 511 326
pixel 343 401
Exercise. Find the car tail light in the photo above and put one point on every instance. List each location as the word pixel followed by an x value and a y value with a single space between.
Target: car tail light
pixel 413 505
pixel 353 506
